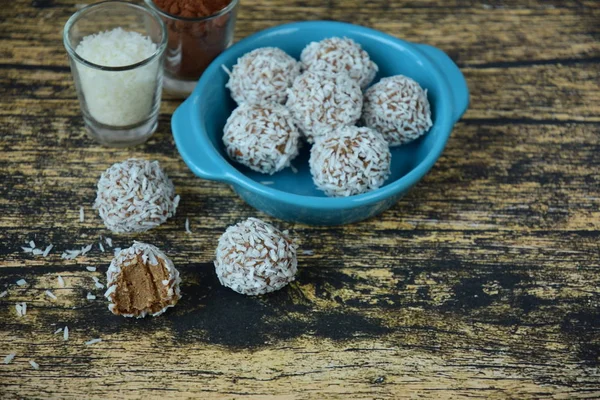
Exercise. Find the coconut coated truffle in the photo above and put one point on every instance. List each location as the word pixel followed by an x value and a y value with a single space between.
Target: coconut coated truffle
pixel 321 101
pixel 135 196
pixel 264 74
pixel 253 257
pixel 340 55
pixel 142 280
pixel 398 108
pixel 262 136
pixel 350 161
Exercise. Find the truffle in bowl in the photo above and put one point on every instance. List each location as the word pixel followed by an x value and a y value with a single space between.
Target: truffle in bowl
pixel 291 194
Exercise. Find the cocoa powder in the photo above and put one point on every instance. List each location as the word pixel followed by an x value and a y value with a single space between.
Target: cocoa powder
pixel 192 45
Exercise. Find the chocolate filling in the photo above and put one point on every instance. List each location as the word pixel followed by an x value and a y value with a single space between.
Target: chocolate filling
pixel 140 288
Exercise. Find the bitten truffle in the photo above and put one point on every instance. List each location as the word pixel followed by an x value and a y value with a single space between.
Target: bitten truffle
pixel 398 108
pixel 321 101
pixel 262 75
pixel 340 55
pixel 142 280
pixel 262 137
pixel 350 161
pixel 253 258
pixel 135 196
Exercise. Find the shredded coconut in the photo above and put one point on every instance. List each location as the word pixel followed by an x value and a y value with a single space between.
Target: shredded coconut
pixel 8 359
pixel 118 98
pixel 21 309
pixel 27 249
pixel 2 294
pixel 48 249
pixel 93 341
pixel 34 364
pixel 50 294
pixel 91 296
pixel 66 333
pixel 187 226
pixel 91 269
pixel 109 241
pixel 101 246
pixel 32 244
pixel 61 281
pixel 21 282
pixel 59 330
pixel 97 283
pixel 81 215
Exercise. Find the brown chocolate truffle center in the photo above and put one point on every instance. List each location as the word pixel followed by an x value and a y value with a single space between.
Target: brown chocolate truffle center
pixel 140 287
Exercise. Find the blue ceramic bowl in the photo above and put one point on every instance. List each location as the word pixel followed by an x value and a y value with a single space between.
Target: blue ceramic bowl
pixel 198 126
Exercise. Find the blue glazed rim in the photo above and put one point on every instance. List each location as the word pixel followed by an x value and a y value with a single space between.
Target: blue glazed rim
pixel 215 167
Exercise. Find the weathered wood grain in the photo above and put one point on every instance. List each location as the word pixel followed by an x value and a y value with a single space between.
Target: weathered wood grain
pixel 483 282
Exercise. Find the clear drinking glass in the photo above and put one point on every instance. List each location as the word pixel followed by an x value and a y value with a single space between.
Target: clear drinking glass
pixel 120 104
pixel 192 45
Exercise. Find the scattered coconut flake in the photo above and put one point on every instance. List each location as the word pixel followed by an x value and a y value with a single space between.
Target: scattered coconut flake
pixel 37 252
pixel 91 296
pixel 97 283
pixel 187 226
pixel 21 309
pixel 117 250
pixel 34 364
pixel 51 295
pixel 8 359
pixel 84 235
pixel 59 330
pixel 3 293
pixel 85 249
pixel 66 334
pixel 308 252
pixel 101 246
pixel 91 269
pixel 81 215
pixel 32 244
pixel 108 241
pixel 47 251
pixel 93 341
pixel 27 249
pixel 21 282
pixel 61 281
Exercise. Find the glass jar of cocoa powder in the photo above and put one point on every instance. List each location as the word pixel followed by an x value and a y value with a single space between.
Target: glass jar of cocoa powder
pixel 198 31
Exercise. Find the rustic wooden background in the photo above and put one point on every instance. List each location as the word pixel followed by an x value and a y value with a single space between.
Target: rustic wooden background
pixel 483 282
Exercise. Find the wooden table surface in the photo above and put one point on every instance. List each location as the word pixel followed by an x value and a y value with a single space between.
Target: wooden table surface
pixel 483 282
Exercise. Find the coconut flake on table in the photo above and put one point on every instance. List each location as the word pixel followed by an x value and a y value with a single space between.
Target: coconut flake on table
pixel 8 359
pixel 97 283
pixel 101 246
pixel 2 294
pixel 118 98
pixel 34 365
pixel 108 241
pixel 21 282
pixel 93 341
pixel 27 249
pixel 91 269
pixel 61 281
pixel 32 244
pixel 47 250
pixel 51 295
pixel 90 296
pixel 66 334
pixel 59 330
pixel 187 226
pixel 81 214
pixel 21 309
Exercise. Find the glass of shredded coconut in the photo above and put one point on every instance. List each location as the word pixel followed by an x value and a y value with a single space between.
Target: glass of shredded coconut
pixel 116 51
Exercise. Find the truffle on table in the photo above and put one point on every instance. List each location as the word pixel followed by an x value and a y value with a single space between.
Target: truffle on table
pixel 262 75
pixel 340 55
pixel 397 107
pixel 253 257
pixel 350 161
pixel 321 101
pixel 142 280
pixel 135 196
pixel 262 137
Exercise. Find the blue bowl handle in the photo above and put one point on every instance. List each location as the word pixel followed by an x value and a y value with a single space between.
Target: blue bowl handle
pixel 455 78
pixel 199 155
